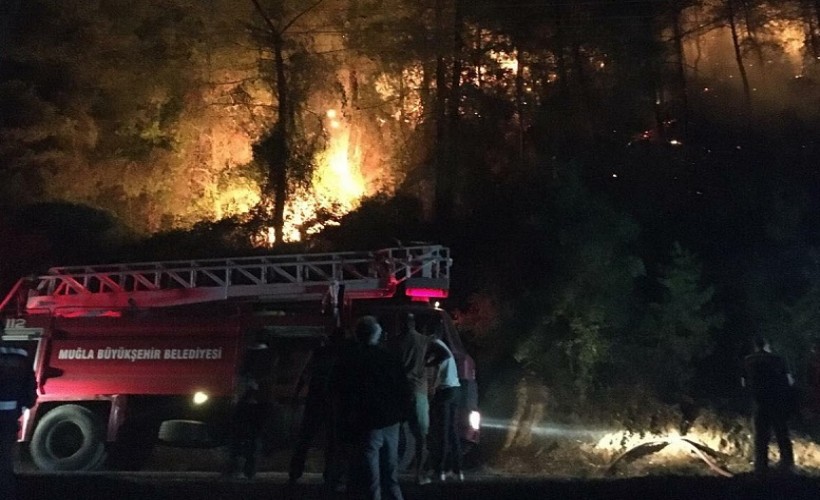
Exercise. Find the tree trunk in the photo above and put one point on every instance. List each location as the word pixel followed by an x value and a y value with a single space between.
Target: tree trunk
pixel 442 189
pixel 277 173
pixel 681 70
pixel 698 51
pixel 751 33
pixel 812 15
pixel 747 93
pixel 560 60
pixel 280 137
pixel 519 103
pixel 453 170
pixel 583 102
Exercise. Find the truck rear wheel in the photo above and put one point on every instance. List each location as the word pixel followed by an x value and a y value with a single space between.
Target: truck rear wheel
pixel 68 438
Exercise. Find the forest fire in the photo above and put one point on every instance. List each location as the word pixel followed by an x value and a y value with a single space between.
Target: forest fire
pixel 339 179
pixel 335 188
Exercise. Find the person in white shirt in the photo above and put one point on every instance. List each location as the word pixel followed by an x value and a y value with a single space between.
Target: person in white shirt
pixel 443 410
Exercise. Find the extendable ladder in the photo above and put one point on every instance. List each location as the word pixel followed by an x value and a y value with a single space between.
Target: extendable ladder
pixel 368 274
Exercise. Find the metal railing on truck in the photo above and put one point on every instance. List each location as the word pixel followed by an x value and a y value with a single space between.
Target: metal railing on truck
pixel 364 274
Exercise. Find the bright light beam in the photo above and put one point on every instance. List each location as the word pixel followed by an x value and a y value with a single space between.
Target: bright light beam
pixel 550 430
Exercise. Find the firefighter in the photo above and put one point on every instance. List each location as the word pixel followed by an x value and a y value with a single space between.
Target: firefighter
pixel 17 391
pixel 768 379
pixel 251 407
pixel 319 415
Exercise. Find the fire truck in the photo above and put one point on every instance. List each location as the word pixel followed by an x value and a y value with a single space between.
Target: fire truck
pixel 129 355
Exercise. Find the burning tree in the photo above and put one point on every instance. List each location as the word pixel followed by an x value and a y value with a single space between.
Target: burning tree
pixel 275 149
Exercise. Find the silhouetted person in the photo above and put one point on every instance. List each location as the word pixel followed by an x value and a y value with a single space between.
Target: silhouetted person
pixel 813 382
pixel 411 346
pixel 252 403
pixel 17 391
pixel 531 397
pixel 374 401
pixel 319 415
pixel 769 381
pixel 444 409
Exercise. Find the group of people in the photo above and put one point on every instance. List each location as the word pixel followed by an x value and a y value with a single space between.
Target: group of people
pixel 419 354
pixel 359 394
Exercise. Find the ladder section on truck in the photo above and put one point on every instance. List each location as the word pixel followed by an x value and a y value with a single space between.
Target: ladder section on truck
pixel 424 271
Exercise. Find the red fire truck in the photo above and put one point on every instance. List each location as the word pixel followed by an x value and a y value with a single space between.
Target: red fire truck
pixel 128 354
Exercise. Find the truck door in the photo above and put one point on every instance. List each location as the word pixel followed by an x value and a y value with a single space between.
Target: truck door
pixel 17 334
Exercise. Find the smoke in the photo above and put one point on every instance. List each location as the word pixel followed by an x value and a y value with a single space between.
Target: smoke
pixel 780 71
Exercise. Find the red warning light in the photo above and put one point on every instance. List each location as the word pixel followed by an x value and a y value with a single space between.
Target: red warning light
pixel 427 293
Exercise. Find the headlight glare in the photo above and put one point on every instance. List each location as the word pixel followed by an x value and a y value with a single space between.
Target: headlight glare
pixel 475 420
pixel 200 398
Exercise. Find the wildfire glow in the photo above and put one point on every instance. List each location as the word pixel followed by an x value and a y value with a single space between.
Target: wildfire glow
pixel 337 185
pixel 791 36
pixel 505 60
pixel 235 200
pixel 404 91
pixel 340 179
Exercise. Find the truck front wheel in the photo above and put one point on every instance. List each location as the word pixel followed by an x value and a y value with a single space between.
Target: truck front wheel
pixel 68 438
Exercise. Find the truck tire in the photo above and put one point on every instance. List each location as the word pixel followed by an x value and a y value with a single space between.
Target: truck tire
pixel 68 438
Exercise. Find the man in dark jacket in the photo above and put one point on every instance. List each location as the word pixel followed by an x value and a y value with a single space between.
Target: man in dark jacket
pixel 252 403
pixel 769 381
pixel 374 397
pixel 319 415
pixel 18 390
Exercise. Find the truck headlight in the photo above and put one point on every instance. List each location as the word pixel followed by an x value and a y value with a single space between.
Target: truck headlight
pixel 200 398
pixel 475 420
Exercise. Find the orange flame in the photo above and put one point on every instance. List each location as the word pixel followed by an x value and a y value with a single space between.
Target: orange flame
pixel 337 185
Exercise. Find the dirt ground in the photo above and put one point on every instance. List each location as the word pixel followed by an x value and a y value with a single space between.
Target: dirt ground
pixel 561 460
pixel 564 469
pixel 210 486
pixel 710 448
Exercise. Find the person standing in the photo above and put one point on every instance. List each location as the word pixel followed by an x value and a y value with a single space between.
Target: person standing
pixel 374 400
pixel 319 415
pixel 444 409
pixel 411 346
pixel 250 410
pixel 531 401
pixel 767 378
pixel 18 390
